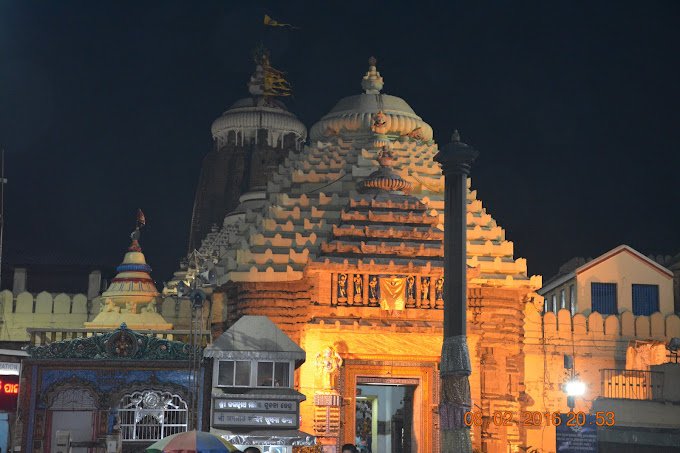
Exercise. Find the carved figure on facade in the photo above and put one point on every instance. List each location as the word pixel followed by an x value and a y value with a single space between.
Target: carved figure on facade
pixel 439 293
pixel 425 289
pixel 328 363
pixel 416 134
pixel 439 289
pixel 358 288
pixel 373 290
pixel 342 288
pixel 110 306
pixel 379 123
pixel 410 291
pixel 425 292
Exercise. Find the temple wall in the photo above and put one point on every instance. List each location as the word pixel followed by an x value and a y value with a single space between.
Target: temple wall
pixel 596 342
pixel 495 331
pixel 376 351
pixel 42 310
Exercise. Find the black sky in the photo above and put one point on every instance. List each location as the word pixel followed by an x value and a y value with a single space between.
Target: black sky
pixel 107 106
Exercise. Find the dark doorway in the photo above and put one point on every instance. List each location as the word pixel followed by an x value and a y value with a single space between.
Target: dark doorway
pixel 384 418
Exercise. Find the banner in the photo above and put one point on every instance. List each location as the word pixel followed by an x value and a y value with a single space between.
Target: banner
pixel 392 293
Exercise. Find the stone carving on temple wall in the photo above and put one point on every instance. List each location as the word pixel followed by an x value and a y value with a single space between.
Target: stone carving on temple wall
pixel 439 292
pixel 410 291
pixel 342 288
pixel 328 363
pixel 358 288
pixel 439 288
pixel 379 124
pixel 110 306
pixel 416 134
pixel 373 290
pixel 425 292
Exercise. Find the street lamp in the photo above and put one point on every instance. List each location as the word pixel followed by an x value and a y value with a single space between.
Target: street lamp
pixel 574 386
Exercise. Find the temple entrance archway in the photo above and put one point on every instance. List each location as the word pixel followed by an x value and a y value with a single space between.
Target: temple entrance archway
pixel 397 400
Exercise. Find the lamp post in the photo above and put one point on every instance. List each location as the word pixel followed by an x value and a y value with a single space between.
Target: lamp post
pixel 456 159
pixel 573 387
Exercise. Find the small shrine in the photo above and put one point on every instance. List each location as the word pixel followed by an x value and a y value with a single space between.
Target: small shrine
pixel 121 388
pixel 253 399
pixel 132 297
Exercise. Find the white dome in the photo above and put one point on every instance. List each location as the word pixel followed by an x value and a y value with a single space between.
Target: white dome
pixel 247 116
pixel 352 116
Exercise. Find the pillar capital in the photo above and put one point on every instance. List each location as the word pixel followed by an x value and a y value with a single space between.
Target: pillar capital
pixel 456 157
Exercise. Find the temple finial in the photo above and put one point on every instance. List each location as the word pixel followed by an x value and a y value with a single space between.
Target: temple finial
pixel 372 82
pixel 136 234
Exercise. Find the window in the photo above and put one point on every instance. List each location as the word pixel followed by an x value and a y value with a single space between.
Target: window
pixel 554 303
pixel 572 299
pixel 151 415
pixel 273 374
pixel 645 299
pixel 546 304
pixel 563 299
pixel 234 373
pixel 603 297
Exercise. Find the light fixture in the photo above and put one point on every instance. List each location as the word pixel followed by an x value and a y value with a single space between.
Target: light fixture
pixel 574 387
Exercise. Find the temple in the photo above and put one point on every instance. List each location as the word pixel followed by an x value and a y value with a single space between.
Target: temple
pixel 343 251
pixel 337 239
pixel 132 297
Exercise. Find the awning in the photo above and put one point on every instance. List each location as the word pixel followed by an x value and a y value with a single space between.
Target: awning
pixel 292 437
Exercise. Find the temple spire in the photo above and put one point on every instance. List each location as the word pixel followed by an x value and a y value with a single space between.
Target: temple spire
pixel 372 82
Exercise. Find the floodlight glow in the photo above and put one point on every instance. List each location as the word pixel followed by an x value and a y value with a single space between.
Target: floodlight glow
pixel 575 388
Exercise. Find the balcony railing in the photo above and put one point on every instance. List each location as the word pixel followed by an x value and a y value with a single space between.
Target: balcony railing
pixel 42 336
pixel 632 384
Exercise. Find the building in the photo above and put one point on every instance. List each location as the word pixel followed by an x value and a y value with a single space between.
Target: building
pixel 620 280
pixel 108 386
pixel 614 315
pixel 252 400
pixel 647 409
pixel 104 382
pixel 342 250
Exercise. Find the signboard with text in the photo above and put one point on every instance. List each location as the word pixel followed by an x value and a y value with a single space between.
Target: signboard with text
pixel 253 419
pixel 254 413
pixel 9 391
pixel 256 405
pixel 581 437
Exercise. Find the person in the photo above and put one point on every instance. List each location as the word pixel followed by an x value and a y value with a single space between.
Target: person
pixel 252 450
pixel 349 448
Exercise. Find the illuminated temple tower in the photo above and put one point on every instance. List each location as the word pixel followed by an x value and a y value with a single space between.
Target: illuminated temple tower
pixel 343 251
pixel 250 140
pixel 132 298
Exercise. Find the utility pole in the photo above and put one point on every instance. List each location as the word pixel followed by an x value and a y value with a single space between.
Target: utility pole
pixel 456 159
pixel 3 181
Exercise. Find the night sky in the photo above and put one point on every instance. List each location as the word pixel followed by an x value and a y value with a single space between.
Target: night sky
pixel 106 107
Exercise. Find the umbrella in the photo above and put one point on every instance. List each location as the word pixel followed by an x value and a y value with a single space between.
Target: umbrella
pixel 192 442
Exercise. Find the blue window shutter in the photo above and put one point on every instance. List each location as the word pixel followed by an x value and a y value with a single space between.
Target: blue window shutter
pixel 603 297
pixel 645 299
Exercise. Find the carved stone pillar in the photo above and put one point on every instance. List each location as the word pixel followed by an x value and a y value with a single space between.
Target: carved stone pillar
pixel 455 159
